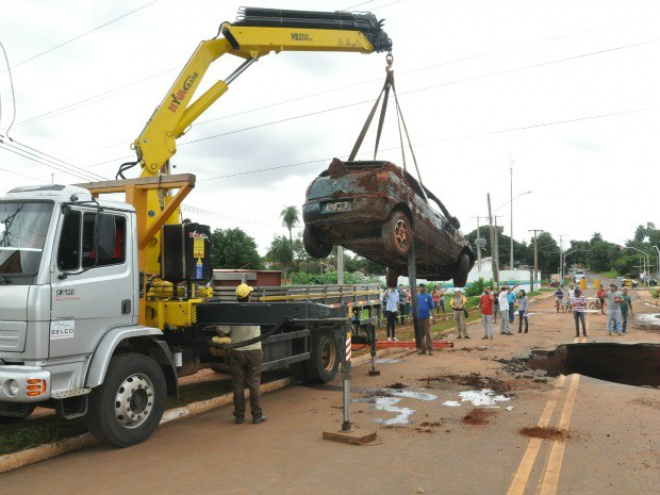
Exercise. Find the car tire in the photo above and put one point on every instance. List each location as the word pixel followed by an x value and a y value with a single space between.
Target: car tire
pixel 397 234
pixel 315 246
pixel 462 270
pixel 134 386
pixel 392 276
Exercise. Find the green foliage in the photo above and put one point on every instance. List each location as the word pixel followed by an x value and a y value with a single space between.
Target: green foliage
pixel 477 287
pixel 624 264
pixel 521 251
pixel 655 294
pixel 290 218
pixel 304 278
pixel 548 253
pixel 233 248
pixel 280 251
pixel 596 238
pixel 603 254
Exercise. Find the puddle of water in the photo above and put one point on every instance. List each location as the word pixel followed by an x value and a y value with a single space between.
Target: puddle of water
pixel 479 398
pixel 387 361
pixel 650 319
pixel 388 402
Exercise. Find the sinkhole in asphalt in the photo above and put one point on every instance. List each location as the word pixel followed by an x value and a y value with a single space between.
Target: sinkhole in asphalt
pixel 630 364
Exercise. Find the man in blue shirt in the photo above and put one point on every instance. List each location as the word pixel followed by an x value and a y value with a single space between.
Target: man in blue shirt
pixel 424 307
pixel 511 297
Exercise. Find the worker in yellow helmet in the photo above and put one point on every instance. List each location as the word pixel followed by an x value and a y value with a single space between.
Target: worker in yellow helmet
pixel 246 363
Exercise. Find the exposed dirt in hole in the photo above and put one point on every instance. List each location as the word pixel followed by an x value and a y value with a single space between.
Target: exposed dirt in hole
pixel 631 364
pixel 367 394
pixel 397 386
pixel 546 432
pixel 477 417
pixel 474 380
pixel 427 424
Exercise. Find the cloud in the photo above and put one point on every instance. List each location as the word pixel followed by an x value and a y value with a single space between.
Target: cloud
pixel 585 144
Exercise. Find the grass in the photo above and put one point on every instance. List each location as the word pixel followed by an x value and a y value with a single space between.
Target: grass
pixel 51 428
pixel 609 274
pixel 655 294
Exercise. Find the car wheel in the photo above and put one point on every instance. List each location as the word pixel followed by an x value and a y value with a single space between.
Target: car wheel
pixel 397 234
pixel 392 276
pixel 462 270
pixel 323 362
pixel 315 246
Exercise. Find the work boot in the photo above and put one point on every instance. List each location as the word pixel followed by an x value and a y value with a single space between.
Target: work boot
pixel 259 419
pixel 430 352
pixel 239 420
pixel 422 352
pixel 467 336
pixel 485 337
pixel 459 336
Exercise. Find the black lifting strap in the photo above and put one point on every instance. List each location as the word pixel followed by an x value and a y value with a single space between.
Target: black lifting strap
pixel 389 78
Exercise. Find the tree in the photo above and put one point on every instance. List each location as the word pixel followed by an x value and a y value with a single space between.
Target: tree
pixel 603 254
pixel 579 253
pixel 596 238
pixel 548 253
pixel 233 248
pixel 625 264
pixel 290 218
pixel 280 252
pixel 640 233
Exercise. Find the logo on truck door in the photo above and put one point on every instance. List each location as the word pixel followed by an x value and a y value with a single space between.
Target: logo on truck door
pixel 63 329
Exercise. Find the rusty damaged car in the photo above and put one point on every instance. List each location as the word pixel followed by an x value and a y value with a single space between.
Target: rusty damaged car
pixel 374 208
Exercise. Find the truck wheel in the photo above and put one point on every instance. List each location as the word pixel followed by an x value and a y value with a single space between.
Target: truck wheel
pixel 397 234
pixel 127 408
pixel 323 363
pixel 17 411
pixel 315 245
pixel 462 270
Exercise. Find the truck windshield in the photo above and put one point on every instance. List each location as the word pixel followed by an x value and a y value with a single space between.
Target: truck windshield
pixel 23 229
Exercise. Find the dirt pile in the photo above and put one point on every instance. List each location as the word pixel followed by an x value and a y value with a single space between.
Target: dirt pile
pixel 474 380
pixel 477 417
pixel 549 433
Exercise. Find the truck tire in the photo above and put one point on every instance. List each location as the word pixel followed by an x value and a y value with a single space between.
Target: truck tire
pixel 18 412
pixel 462 270
pixel 397 234
pixel 127 408
pixel 315 245
pixel 323 363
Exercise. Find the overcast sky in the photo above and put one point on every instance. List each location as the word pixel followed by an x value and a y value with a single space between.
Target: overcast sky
pixel 569 90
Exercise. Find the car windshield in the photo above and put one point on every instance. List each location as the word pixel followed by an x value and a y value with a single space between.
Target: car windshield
pixel 23 229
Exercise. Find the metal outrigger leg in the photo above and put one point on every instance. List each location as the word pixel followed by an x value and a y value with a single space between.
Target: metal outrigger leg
pixel 412 278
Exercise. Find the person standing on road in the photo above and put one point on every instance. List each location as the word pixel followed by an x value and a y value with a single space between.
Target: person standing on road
pixel 436 298
pixel 626 307
pixel 578 304
pixel 246 363
pixel 496 304
pixel 458 303
pixel 523 307
pixel 511 298
pixel 424 307
pixel 391 302
pixel 402 304
pixel 601 298
pixel 486 304
pixel 559 295
pixel 503 299
pixel 613 298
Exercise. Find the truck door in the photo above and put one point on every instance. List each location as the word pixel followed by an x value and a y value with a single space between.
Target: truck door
pixel 93 283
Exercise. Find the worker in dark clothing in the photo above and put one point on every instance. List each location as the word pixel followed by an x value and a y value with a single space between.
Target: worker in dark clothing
pixel 424 307
pixel 246 363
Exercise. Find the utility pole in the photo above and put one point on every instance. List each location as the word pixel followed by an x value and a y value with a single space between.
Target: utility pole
pixel 561 259
pixel 479 242
pixel 496 248
pixel 511 198
pixel 493 241
pixel 536 254
pixel 340 265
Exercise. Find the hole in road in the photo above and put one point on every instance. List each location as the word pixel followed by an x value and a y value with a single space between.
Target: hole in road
pixel 636 364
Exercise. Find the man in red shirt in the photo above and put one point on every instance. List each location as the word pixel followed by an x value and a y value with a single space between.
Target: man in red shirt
pixel 601 297
pixel 486 304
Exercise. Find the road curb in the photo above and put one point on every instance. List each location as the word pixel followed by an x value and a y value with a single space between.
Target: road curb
pixel 9 462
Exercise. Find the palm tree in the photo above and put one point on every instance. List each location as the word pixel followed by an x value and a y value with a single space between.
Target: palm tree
pixel 290 218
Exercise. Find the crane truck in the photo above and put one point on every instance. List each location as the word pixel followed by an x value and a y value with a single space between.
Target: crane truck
pixel 104 304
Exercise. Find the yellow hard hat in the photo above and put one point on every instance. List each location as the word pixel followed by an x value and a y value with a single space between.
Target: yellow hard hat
pixel 243 290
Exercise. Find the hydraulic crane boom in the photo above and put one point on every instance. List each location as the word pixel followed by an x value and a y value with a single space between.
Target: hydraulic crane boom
pixel 257 32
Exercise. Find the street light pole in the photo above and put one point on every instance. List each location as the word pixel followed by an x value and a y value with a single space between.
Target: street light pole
pixel 511 200
pixel 658 250
pixel 647 259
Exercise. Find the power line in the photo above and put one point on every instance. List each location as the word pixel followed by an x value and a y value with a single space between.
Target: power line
pixel 427 143
pixel 13 95
pixel 82 35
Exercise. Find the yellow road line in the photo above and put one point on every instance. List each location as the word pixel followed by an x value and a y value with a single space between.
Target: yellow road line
pixel 521 477
pixel 550 480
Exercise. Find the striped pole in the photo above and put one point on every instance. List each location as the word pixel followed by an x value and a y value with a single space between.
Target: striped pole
pixel 346 372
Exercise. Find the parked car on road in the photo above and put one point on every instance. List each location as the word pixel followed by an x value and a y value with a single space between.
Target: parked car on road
pixel 649 281
pixel 628 282
pixel 376 209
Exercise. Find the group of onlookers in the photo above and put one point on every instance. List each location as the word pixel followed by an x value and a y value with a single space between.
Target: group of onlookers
pixel 618 304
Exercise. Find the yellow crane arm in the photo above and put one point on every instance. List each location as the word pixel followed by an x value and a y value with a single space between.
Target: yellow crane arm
pixel 257 32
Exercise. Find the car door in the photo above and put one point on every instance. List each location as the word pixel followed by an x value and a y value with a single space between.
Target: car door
pixel 92 285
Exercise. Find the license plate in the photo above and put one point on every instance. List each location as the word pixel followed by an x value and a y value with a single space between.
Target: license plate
pixel 339 206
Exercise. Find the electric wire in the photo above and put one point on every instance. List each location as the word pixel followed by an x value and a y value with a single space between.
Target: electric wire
pixel 82 35
pixel 13 95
